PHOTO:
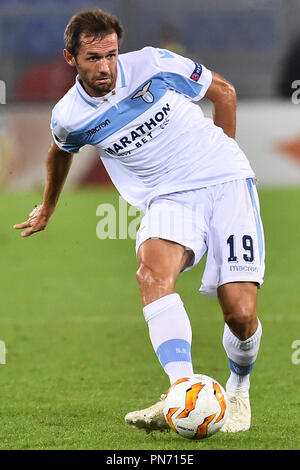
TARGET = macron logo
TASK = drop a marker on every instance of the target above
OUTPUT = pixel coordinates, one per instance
(97, 128)
(164, 54)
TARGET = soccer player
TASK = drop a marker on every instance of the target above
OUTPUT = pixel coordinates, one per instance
(189, 176)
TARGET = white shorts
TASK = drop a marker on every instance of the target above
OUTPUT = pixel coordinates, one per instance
(222, 221)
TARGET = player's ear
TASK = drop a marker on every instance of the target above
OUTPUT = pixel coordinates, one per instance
(70, 59)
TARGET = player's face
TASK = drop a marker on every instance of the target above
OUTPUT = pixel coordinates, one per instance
(96, 64)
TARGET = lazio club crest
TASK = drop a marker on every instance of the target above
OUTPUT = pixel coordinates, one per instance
(145, 93)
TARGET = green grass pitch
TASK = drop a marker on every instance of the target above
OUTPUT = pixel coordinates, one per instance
(78, 353)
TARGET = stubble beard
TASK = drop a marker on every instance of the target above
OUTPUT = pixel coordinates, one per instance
(99, 90)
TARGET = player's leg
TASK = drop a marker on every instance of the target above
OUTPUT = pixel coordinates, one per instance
(238, 302)
(171, 224)
(234, 269)
(241, 340)
(171, 239)
(160, 262)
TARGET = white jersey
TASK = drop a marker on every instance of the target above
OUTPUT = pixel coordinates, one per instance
(152, 137)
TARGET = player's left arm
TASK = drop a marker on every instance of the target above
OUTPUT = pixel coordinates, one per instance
(195, 81)
(223, 97)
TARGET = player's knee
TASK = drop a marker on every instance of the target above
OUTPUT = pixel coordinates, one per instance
(239, 315)
(241, 319)
(150, 278)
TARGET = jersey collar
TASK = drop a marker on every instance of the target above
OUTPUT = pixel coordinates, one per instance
(95, 102)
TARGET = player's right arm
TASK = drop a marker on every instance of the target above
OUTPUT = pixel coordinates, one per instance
(58, 165)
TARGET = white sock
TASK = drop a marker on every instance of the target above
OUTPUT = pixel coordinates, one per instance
(171, 335)
(241, 356)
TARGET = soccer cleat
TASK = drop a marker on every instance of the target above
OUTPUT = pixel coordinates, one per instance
(149, 419)
(239, 412)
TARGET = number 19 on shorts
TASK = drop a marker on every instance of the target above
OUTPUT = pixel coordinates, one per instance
(248, 249)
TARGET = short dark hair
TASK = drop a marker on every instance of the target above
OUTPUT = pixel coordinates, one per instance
(91, 23)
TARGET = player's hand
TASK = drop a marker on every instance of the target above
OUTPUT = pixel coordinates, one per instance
(37, 221)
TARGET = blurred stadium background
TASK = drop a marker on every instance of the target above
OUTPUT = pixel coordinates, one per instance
(253, 43)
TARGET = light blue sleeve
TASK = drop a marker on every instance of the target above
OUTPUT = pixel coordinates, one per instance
(183, 74)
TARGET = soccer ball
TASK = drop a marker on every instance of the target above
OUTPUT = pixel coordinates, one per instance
(196, 407)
